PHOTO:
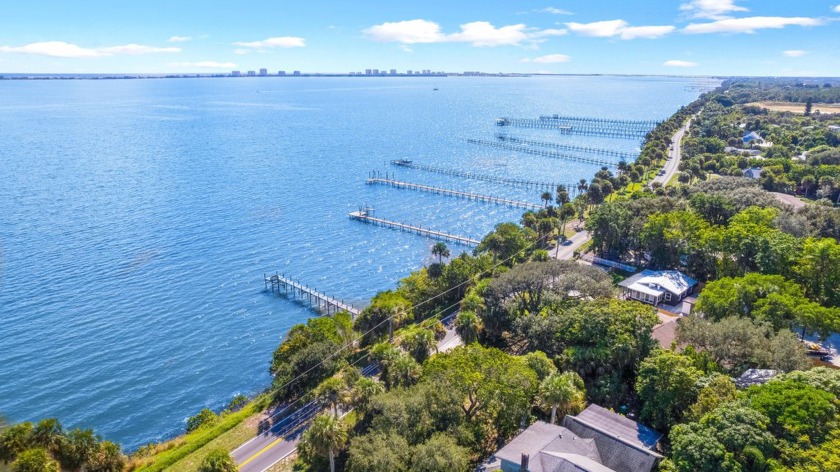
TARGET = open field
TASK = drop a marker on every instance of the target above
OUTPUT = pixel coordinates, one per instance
(798, 107)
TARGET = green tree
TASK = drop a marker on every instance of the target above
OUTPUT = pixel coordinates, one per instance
(565, 392)
(47, 434)
(34, 460)
(203, 418)
(14, 440)
(468, 326)
(507, 243)
(808, 106)
(491, 385)
(378, 452)
(541, 364)
(418, 342)
(667, 386)
(546, 198)
(403, 372)
(373, 321)
(694, 448)
(441, 453)
(218, 460)
(109, 458)
(796, 410)
(364, 390)
(441, 250)
(77, 448)
(719, 391)
(819, 270)
(327, 435)
(331, 393)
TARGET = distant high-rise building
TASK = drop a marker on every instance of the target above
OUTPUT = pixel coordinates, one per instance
(297, 72)
(263, 72)
(236, 73)
(375, 71)
(393, 71)
(281, 72)
(409, 72)
(252, 73)
(368, 71)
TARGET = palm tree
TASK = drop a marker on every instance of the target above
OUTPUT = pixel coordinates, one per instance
(403, 372)
(419, 342)
(441, 250)
(468, 325)
(326, 436)
(546, 197)
(582, 186)
(330, 393)
(365, 389)
(565, 392)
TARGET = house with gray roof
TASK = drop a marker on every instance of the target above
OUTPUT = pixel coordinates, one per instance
(658, 286)
(752, 137)
(596, 440)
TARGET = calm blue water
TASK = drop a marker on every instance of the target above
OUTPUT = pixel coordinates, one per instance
(137, 218)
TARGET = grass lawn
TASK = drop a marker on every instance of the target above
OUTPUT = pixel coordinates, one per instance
(229, 440)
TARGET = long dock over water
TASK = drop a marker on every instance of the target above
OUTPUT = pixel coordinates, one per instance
(583, 129)
(644, 125)
(364, 215)
(540, 152)
(566, 147)
(323, 302)
(373, 179)
(471, 175)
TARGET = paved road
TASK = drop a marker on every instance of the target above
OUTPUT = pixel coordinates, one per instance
(789, 199)
(288, 423)
(567, 250)
(672, 165)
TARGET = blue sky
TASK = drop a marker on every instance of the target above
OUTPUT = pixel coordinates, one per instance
(685, 37)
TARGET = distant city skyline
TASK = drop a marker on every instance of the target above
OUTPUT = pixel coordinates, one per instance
(663, 37)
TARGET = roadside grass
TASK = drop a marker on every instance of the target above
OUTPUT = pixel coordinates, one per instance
(184, 453)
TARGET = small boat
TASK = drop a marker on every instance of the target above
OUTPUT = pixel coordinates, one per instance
(435, 88)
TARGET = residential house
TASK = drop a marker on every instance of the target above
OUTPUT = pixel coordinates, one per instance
(596, 440)
(752, 137)
(755, 377)
(753, 173)
(658, 286)
(834, 128)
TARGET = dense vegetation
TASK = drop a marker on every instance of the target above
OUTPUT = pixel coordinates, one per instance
(543, 337)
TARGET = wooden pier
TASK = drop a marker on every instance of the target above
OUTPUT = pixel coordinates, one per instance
(319, 300)
(364, 215)
(375, 179)
(642, 125)
(567, 147)
(582, 129)
(540, 152)
(471, 175)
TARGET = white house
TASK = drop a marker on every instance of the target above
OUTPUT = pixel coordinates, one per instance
(752, 137)
(753, 173)
(834, 128)
(658, 286)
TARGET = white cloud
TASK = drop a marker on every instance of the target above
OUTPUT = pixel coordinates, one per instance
(549, 59)
(836, 9)
(275, 42)
(206, 65)
(482, 33)
(555, 11)
(646, 32)
(794, 53)
(64, 49)
(711, 9)
(750, 24)
(477, 33)
(610, 28)
(408, 32)
(180, 39)
(241, 51)
(676, 63)
(598, 29)
(406, 48)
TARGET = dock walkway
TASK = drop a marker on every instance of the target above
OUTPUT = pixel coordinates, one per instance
(471, 175)
(583, 129)
(453, 193)
(540, 152)
(364, 215)
(320, 300)
(567, 147)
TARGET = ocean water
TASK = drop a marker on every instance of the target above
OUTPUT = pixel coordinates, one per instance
(137, 218)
